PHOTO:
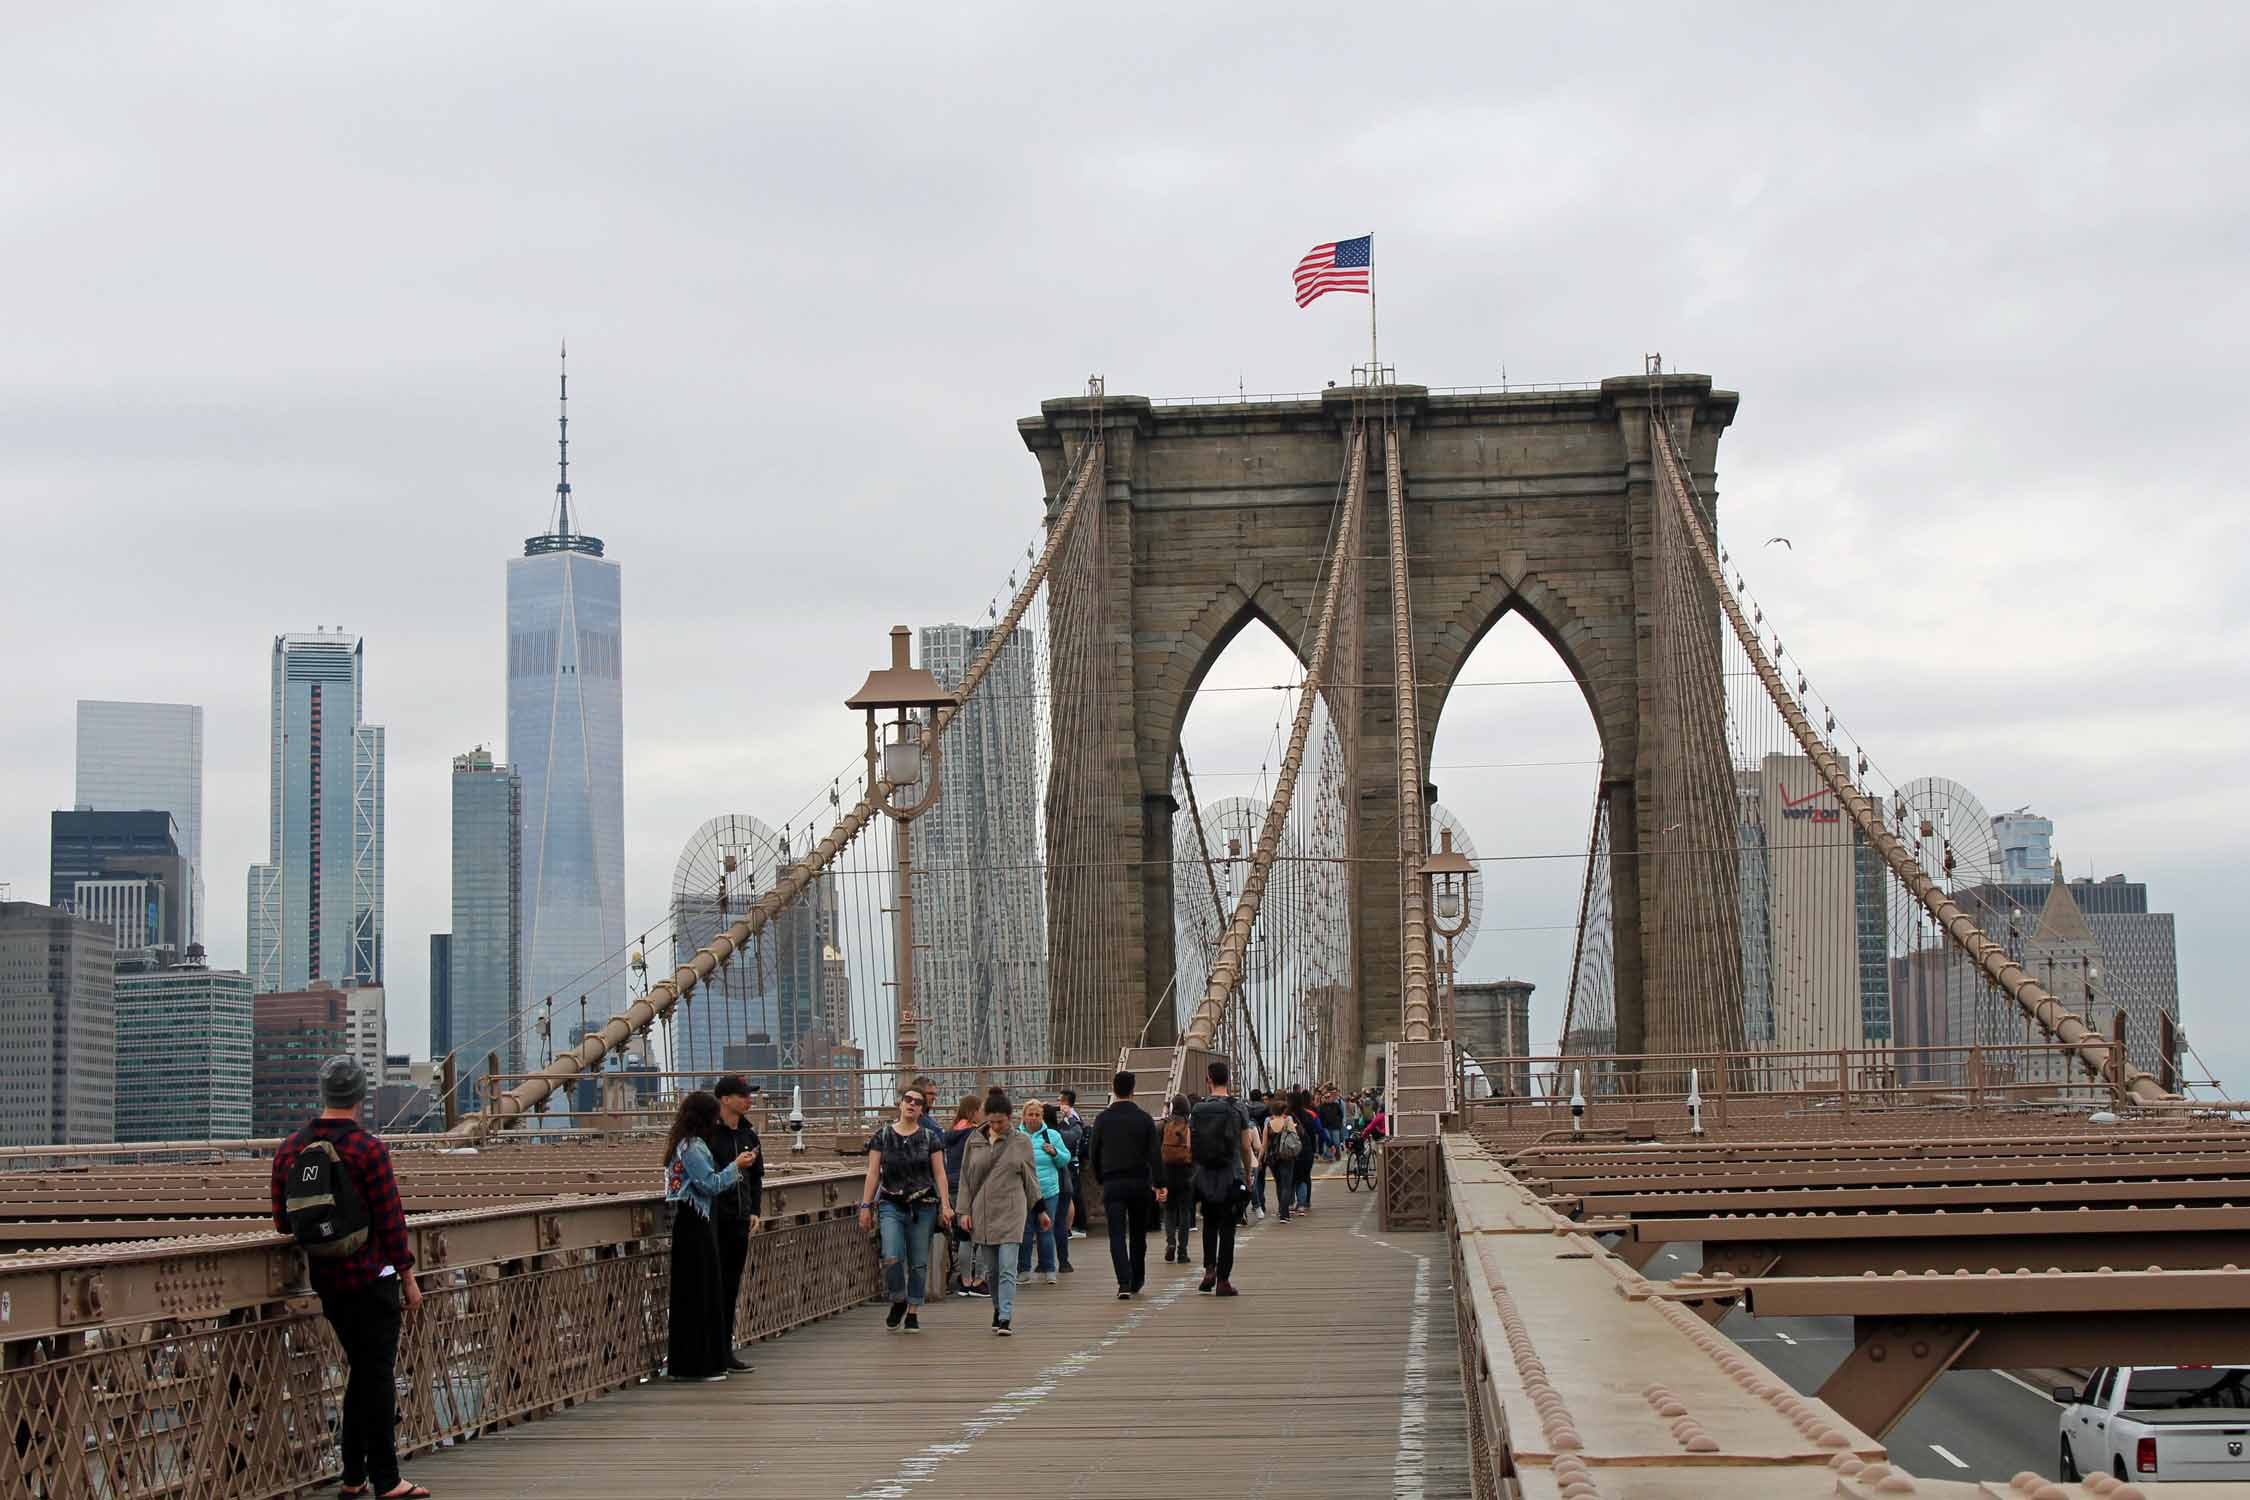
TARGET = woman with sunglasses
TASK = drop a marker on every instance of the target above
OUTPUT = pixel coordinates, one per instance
(906, 1194)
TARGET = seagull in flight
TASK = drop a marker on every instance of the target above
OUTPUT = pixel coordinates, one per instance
(1792, 546)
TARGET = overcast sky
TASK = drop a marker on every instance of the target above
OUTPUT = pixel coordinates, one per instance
(283, 288)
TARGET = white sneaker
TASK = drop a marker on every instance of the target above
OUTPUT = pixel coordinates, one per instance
(1052, 1278)
(1078, 1234)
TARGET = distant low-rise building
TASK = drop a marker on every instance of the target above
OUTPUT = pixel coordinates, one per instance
(293, 1033)
(185, 1044)
(58, 1028)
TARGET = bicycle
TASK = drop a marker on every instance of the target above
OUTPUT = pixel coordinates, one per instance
(1359, 1166)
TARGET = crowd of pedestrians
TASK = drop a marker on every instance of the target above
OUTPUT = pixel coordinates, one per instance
(999, 1189)
(1000, 1193)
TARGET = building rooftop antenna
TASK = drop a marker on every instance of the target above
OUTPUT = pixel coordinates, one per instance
(562, 441)
(564, 537)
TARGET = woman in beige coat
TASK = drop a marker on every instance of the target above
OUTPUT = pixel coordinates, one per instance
(999, 1191)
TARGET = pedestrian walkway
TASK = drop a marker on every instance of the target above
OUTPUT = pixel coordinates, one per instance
(1335, 1373)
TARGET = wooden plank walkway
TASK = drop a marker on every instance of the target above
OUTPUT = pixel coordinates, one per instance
(1336, 1373)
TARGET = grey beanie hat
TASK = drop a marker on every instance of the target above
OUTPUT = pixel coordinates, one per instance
(343, 1082)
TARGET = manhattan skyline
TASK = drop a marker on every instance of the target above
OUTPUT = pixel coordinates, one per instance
(1960, 302)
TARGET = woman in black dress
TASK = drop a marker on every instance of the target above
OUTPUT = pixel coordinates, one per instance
(698, 1340)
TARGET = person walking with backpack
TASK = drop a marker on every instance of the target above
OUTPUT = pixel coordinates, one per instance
(697, 1342)
(1284, 1147)
(1124, 1151)
(1177, 1156)
(1225, 1150)
(999, 1197)
(1050, 1158)
(334, 1191)
(1314, 1135)
(734, 1213)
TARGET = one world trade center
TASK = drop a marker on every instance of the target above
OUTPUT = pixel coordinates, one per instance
(566, 738)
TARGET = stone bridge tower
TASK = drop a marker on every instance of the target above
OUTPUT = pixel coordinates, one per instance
(1532, 502)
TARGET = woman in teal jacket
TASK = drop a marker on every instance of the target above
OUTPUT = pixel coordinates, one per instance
(1050, 1158)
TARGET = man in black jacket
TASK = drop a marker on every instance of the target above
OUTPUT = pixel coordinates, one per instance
(1126, 1150)
(734, 1214)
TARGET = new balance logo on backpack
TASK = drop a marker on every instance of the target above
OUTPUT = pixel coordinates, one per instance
(322, 1202)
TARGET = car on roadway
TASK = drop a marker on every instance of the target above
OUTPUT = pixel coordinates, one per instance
(2175, 1423)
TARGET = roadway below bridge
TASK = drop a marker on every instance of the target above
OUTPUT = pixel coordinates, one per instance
(1336, 1373)
(1970, 1425)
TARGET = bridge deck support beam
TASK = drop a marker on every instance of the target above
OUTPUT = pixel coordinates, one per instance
(1895, 1360)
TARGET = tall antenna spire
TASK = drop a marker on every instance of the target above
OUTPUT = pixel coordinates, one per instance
(564, 537)
(562, 482)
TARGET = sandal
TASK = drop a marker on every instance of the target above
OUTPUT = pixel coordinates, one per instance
(411, 1492)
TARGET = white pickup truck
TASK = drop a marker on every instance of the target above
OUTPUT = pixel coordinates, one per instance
(2176, 1423)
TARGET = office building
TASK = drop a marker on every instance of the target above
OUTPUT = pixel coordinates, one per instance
(292, 1034)
(316, 905)
(185, 1041)
(2023, 847)
(1815, 918)
(141, 757)
(441, 995)
(2094, 944)
(124, 870)
(566, 740)
(367, 1029)
(980, 977)
(484, 1002)
(1492, 1018)
(58, 1028)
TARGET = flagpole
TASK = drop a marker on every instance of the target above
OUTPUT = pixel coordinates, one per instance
(1374, 362)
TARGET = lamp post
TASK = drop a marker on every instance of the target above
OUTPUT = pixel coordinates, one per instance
(895, 763)
(1449, 871)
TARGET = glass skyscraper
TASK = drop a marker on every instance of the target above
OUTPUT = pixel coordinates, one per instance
(137, 757)
(566, 740)
(316, 905)
(484, 953)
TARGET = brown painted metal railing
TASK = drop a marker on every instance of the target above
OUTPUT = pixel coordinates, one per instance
(716, 954)
(2098, 1056)
(169, 1368)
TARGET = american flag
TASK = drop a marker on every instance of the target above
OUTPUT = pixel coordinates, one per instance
(1342, 266)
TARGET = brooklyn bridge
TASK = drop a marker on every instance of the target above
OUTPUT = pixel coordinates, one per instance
(1730, 1232)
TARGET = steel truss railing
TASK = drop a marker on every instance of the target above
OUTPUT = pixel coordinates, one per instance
(176, 1367)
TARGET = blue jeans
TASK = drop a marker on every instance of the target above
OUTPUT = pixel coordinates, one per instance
(905, 1238)
(1304, 1182)
(1044, 1238)
(998, 1262)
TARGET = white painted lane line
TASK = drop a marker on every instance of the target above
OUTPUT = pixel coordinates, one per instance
(1949, 1458)
(917, 1469)
(1785, 1338)
(2025, 1385)
(1413, 1402)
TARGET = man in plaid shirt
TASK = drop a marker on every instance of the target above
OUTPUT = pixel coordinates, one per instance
(364, 1294)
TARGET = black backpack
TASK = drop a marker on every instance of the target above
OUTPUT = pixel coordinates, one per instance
(321, 1200)
(1214, 1130)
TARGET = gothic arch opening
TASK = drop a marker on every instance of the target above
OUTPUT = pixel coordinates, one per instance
(1288, 1019)
(1516, 758)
